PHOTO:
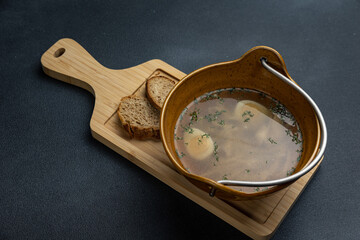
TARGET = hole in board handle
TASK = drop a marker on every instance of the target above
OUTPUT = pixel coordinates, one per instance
(59, 52)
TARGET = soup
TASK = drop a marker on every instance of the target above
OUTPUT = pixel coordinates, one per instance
(238, 134)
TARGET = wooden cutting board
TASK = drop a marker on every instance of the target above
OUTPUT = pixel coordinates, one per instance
(67, 61)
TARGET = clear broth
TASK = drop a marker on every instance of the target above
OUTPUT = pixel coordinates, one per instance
(238, 134)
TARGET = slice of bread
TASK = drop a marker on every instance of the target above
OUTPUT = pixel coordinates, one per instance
(157, 89)
(139, 118)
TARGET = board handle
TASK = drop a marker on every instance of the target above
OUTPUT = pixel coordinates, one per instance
(69, 62)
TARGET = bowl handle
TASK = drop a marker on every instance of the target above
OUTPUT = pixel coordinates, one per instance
(323, 141)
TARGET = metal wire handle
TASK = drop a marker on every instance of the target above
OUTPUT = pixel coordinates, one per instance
(322, 147)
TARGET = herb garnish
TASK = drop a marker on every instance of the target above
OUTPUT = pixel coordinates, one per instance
(294, 136)
(188, 129)
(291, 171)
(214, 96)
(272, 141)
(222, 123)
(216, 152)
(248, 115)
(281, 111)
(213, 117)
(178, 138)
(194, 115)
(205, 135)
(181, 155)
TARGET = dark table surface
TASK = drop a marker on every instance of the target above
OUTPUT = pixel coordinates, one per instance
(57, 182)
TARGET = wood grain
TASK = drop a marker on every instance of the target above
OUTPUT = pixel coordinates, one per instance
(67, 61)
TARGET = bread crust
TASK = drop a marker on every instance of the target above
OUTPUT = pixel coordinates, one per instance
(150, 96)
(134, 131)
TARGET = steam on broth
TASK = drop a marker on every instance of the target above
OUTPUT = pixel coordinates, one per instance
(238, 134)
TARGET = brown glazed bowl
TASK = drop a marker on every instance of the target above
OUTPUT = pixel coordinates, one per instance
(245, 72)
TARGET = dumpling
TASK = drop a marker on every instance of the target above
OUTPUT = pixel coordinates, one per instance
(198, 144)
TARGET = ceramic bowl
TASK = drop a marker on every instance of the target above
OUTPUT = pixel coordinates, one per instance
(245, 72)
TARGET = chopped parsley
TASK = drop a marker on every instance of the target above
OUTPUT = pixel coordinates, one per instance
(247, 115)
(188, 129)
(216, 152)
(181, 155)
(272, 141)
(294, 136)
(214, 96)
(178, 138)
(194, 116)
(213, 117)
(205, 135)
(291, 171)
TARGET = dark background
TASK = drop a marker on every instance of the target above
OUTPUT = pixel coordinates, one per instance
(57, 182)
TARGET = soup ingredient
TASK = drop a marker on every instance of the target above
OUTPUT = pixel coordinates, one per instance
(238, 134)
(198, 144)
(139, 118)
(157, 89)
